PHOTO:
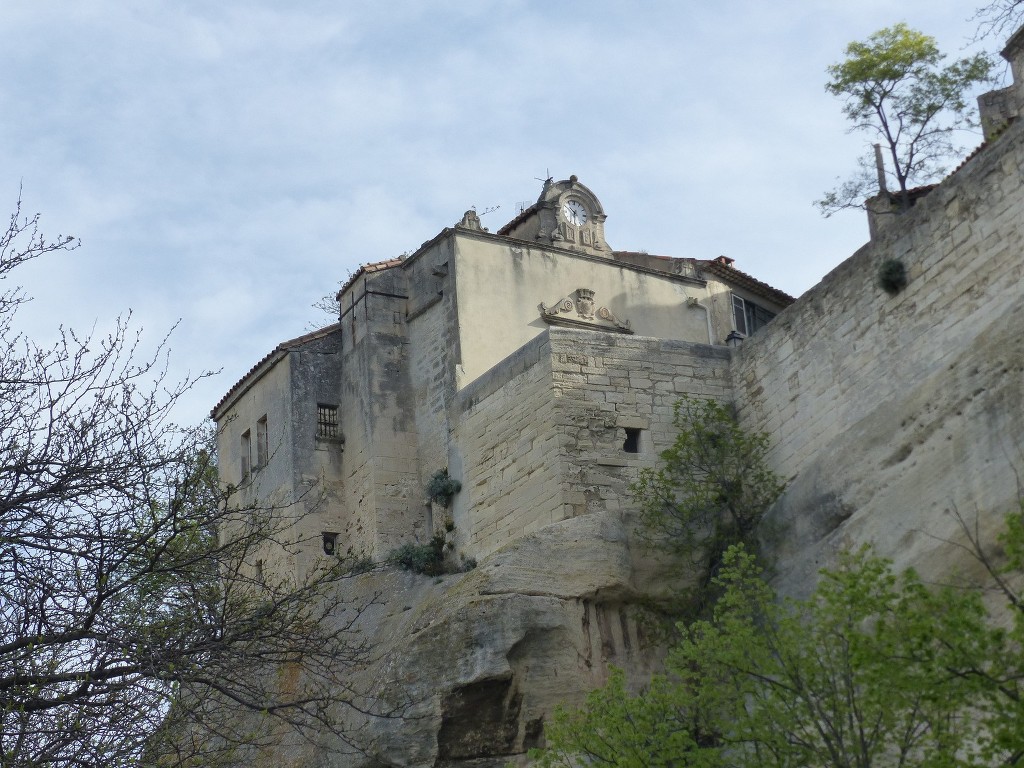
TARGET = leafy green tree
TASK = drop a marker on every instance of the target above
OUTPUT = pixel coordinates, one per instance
(874, 669)
(895, 89)
(615, 728)
(990, 656)
(711, 488)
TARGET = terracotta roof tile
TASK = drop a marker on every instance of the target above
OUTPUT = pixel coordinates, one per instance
(974, 152)
(746, 281)
(520, 217)
(274, 355)
(377, 266)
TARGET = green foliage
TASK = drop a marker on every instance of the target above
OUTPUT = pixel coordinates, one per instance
(361, 564)
(895, 88)
(892, 276)
(427, 559)
(441, 487)
(615, 728)
(436, 557)
(712, 487)
(1012, 540)
(874, 669)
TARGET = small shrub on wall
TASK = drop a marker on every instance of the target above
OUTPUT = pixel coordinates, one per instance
(426, 559)
(892, 276)
(441, 487)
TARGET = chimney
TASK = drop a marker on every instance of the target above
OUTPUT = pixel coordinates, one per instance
(998, 108)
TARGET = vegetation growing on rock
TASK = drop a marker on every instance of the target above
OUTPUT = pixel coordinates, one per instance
(712, 487)
(875, 669)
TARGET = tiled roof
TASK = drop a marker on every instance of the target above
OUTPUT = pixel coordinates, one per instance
(377, 266)
(974, 152)
(521, 217)
(278, 352)
(743, 280)
(721, 267)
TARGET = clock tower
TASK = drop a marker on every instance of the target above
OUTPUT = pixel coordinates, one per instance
(568, 215)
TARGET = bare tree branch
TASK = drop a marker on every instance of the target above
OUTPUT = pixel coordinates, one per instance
(133, 621)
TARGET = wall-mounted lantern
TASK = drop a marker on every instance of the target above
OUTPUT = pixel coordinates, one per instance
(734, 339)
(330, 542)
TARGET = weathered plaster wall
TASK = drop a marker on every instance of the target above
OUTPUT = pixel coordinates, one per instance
(502, 285)
(315, 373)
(888, 412)
(382, 498)
(433, 357)
(273, 484)
(270, 398)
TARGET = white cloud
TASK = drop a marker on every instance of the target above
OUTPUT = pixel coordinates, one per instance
(228, 163)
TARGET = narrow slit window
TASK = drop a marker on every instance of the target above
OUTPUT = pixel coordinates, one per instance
(327, 420)
(632, 443)
(262, 454)
(246, 455)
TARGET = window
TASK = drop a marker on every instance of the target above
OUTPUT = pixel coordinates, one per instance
(246, 454)
(327, 420)
(262, 454)
(632, 443)
(330, 542)
(748, 316)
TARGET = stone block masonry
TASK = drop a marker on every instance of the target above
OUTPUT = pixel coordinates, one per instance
(607, 386)
(511, 456)
(886, 412)
(561, 428)
(963, 246)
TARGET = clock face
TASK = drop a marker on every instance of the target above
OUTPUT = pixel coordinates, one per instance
(575, 213)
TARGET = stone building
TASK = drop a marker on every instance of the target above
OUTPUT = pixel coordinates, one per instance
(459, 358)
(539, 367)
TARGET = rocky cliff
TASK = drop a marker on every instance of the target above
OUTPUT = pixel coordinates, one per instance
(892, 417)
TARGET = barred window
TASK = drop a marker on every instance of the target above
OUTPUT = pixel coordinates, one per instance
(327, 420)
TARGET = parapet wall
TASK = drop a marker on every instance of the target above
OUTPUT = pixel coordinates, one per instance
(606, 384)
(512, 479)
(887, 412)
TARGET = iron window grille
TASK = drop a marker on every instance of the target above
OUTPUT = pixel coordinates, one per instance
(327, 421)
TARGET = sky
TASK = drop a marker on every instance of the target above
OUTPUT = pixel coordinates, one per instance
(227, 164)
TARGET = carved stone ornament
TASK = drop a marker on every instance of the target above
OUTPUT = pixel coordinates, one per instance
(470, 220)
(579, 309)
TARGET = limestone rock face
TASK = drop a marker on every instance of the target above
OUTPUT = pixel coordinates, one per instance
(947, 447)
(894, 419)
(473, 664)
